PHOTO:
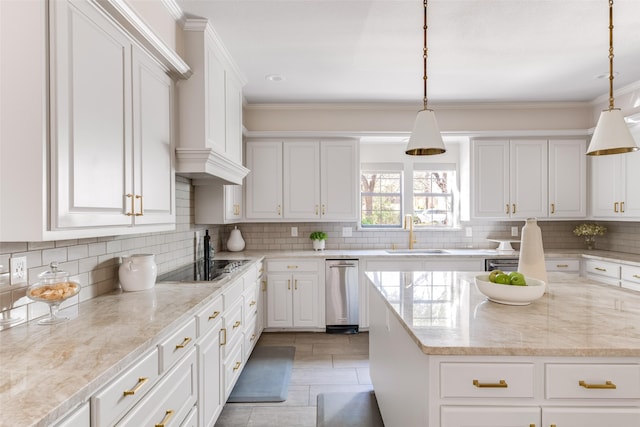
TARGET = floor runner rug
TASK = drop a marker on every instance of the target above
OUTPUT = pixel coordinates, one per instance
(266, 376)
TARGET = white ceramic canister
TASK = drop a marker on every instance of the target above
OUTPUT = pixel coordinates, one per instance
(138, 272)
(235, 242)
(531, 261)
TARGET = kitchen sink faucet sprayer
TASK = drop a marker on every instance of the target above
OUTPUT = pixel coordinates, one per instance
(409, 219)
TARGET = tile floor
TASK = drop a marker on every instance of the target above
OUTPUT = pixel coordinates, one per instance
(323, 363)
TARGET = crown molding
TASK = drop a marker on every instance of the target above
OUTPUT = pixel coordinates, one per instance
(402, 106)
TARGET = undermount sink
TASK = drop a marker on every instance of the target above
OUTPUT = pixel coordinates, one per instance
(417, 251)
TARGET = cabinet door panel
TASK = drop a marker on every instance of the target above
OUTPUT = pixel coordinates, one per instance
(567, 179)
(91, 139)
(152, 100)
(264, 183)
(339, 177)
(215, 94)
(301, 180)
(491, 179)
(605, 182)
(591, 417)
(631, 207)
(279, 300)
(305, 300)
(497, 416)
(528, 167)
(210, 390)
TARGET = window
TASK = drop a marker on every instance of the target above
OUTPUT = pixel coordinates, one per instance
(381, 197)
(433, 195)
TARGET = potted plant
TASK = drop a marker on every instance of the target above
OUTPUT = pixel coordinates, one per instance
(318, 238)
(589, 232)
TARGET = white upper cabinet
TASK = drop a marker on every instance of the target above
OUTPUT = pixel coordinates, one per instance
(105, 165)
(510, 179)
(614, 186)
(218, 204)
(210, 143)
(311, 180)
(567, 179)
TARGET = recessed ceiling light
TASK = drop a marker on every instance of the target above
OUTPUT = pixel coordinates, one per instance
(274, 77)
(606, 75)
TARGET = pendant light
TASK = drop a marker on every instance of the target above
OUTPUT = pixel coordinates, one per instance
(425, 138)
(611, 135)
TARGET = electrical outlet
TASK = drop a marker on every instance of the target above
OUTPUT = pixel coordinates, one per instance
(514, 231)
(346, 231)
(294, 231)
(468, 232)
(18, 269)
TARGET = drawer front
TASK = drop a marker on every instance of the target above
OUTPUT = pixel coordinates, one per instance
(591, 416)
(209, 317)
(177, 345)
(232, 328)
(592, 381)
(232, 367)
(250, 277)
(250, 298)
(171, 400)
(630, 274)
(602, 268)
(486, 380)
(78, 418)
(192, 419)
(569, 265)
(113, 401)
(292, 266)
(250, 337)
(232, 294)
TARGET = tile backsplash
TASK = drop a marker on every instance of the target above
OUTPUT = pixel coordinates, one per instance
(94, 262)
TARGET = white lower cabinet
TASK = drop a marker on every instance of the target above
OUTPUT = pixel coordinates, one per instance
(489, 416)
(294, 294)
(210, 401)
(590, 417)
(79, 417)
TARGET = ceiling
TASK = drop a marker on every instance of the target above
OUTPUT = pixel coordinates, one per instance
(479, 50)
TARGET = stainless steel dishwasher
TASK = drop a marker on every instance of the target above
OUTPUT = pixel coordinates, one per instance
(341, 296)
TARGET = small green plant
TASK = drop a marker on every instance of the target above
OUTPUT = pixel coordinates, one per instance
(318, 235)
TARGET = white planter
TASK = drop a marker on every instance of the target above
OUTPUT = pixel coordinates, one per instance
(318, 245)
(138, 272)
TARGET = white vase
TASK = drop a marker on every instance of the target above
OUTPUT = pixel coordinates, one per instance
(531, 260)
(235, 242)
(138, 272)
(318, 245)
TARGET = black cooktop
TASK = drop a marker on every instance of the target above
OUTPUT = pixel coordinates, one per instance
(196, 272)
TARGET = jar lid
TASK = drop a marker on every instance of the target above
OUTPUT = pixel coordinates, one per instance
(53, 275)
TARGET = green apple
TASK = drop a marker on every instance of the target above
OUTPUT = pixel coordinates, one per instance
(503, 279)
(493, 274)
(517, 279)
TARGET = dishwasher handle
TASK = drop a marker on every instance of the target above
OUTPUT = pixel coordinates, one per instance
(343, 266)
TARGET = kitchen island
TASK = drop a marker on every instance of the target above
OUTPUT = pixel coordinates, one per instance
(441, 354)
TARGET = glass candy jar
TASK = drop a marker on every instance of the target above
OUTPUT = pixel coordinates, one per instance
(53, 288)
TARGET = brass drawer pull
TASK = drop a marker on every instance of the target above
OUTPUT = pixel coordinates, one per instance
(292, 266)
(636, 276)
(253, 337)
(214, 315)
(129, 195)
(600, 269)
(553, 208)
(252, 303)
(225, 337)
(562, 265)
(186, 341)
(141, 209)
(506, 208)
(615, 207)
(235, 325)
(295, 284)
(167, 417)
(621, 207)
(514, 208)
(237, 366)
(606, 385)
(141, 382)
(501, 384)
(264, 285)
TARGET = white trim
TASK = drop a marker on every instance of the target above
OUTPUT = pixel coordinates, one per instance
(410, 106)
(174, 9)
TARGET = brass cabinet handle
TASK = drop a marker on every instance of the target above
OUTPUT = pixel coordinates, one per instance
(323, 209)
(237, 366)
(501, 384)
(621, 207)
(562, 265)
(553, 208)
(253, 337)
(316, 209)
(141, 209)
(141, 382)
(167, 417)
(289, 284)
(236, 209)
(235, 325)
(214, 315)
(615, 207)
(607, 385)
(292, 267)
(295, 284)
(252, 303)
(514, 208)
(129, 195)
(225, 337)
(264, 285)
(279, 210)
(506, 208)
(186, 341)
(636, 276)
(599, 268)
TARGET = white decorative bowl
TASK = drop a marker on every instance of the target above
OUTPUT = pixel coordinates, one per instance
(511, 294)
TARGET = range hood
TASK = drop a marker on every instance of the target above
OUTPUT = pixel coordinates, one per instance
(206, 164)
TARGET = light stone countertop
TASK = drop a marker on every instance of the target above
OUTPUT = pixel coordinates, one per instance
(45, 371)
(445, 314)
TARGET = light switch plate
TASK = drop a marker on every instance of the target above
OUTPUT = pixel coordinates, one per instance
(294, 231)
(468, 232)
(514, 231)
(18, 269)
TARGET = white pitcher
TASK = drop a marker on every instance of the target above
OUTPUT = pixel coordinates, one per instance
(138, 272)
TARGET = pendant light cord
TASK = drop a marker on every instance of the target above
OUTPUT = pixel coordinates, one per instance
(611, 107)
(424, 55)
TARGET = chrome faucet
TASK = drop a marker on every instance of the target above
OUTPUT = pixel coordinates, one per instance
(409, 219)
